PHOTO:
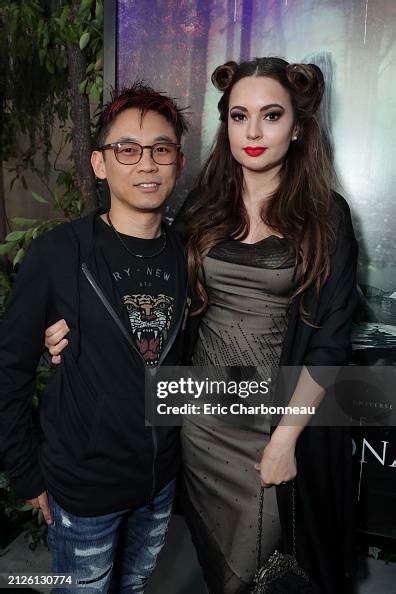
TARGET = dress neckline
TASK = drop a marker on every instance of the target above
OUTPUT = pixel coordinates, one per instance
(260, 240)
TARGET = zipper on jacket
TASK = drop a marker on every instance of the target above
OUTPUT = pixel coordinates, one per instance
(162, 357)
(109, 307)
(176, 329)
(155, 454)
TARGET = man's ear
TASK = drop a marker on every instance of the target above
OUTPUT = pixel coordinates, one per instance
(180, 163)
(98, 164)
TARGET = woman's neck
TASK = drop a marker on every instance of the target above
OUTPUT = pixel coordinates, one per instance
(258, 187)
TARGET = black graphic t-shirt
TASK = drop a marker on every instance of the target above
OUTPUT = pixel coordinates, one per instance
(147, 287)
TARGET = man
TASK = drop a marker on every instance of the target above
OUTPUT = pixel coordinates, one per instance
(104, 481)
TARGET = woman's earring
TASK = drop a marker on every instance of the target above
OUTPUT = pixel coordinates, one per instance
(294, 137)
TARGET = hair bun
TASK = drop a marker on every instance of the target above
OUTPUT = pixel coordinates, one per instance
(308, 82)
(223, 75)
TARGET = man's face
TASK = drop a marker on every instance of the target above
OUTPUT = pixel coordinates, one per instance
(145, 186)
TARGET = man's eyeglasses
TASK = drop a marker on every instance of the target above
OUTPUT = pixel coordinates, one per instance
(130, 153)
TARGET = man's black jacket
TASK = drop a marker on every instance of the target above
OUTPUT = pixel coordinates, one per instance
(95, 454)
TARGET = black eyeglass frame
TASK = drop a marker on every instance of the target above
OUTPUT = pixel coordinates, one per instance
(114, 145)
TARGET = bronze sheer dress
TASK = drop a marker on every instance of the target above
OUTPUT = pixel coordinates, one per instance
(249, 287)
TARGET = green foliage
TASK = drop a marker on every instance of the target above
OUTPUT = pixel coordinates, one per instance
(35, 95)
(39, 198)
(31, 101)
(34, 100)
(69, 205)
(5, 290)
(18, 241)
(34, 89)
(85, 29)
(9, 502)
(18, 510)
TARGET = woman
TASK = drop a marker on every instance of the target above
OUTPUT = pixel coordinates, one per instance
(272, 257)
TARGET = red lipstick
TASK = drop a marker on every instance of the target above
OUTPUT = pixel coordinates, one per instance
(255, 151)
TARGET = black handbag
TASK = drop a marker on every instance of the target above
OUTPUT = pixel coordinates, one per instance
(280, 573)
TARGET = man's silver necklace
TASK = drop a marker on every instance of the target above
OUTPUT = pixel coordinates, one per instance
(157, 253)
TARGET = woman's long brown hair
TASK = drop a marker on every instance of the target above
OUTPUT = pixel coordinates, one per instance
(298, 209)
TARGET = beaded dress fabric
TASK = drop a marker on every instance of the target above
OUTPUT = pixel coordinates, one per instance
(249, 288)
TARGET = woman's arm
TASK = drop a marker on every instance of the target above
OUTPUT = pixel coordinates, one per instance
(278, 462)
(329, 345)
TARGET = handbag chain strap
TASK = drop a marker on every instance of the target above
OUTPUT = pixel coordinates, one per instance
(260, 523)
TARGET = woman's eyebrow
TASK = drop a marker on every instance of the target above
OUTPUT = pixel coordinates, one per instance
(264, 108)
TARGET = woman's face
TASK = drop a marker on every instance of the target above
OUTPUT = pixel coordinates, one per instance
(260, 123)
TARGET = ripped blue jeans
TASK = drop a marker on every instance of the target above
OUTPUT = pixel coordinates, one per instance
(115, 552)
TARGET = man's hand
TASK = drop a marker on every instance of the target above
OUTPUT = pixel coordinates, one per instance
(55, 340)
(41, 502)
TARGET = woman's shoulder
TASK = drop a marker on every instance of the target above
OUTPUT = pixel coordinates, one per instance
(345, 246)
(340, 215)
(339, 204)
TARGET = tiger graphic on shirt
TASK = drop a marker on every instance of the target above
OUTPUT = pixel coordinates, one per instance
(150, 317)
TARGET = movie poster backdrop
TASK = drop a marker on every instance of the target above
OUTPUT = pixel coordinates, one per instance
(176, 46)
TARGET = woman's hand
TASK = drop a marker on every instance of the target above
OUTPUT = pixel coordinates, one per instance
(278, 463)
(55, 340)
